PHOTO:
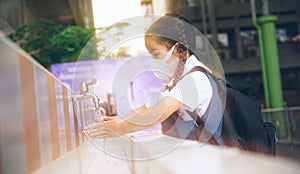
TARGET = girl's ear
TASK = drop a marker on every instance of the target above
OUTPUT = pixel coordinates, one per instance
(177, 44)
(181, 49)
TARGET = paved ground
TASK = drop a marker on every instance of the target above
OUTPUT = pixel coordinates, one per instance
(288, 151)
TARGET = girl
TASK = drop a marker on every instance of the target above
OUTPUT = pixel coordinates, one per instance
(190, 98)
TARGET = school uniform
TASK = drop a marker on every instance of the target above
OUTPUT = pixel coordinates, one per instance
(198, 95)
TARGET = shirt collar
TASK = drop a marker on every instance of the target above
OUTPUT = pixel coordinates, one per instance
(192, 62)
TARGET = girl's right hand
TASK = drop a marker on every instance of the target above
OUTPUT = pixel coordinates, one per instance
(101, 128)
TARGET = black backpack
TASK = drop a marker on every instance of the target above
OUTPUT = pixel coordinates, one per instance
(242, 123)
(243, 115)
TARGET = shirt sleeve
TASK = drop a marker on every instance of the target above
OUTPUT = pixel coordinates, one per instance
(194, 91)
(153, 99)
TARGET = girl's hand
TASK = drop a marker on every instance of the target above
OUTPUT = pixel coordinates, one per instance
(101, 128)
(105, 118)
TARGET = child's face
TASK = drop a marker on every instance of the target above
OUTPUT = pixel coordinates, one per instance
(163, 63)
(157, 51)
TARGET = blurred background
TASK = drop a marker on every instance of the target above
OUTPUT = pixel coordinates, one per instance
(227, 23)
(268, 70)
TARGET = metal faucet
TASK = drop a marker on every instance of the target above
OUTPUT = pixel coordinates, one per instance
(85, 94)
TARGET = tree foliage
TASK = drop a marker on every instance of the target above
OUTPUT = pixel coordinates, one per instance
(108, 35)
(49, 42)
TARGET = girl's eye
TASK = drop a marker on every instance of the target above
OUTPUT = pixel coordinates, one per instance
(155, 55)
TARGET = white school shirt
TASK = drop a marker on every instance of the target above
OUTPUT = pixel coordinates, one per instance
(194, 90)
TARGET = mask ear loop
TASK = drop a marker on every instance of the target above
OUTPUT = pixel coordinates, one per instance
(170, 53)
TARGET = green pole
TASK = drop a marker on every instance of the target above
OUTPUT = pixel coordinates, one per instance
(271, 60)
(268, 32)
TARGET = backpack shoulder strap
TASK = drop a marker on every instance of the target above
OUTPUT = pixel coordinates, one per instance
(204, 133)
(197, 68)
(194, 114)
(232, 140)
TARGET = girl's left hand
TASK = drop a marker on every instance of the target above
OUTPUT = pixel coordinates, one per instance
(100, 129)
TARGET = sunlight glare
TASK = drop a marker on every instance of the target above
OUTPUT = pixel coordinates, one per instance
(108, 12)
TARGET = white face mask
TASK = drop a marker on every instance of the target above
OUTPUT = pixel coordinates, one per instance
(162, 69)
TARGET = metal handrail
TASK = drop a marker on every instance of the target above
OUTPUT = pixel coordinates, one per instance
(281, 109)
(292, 117)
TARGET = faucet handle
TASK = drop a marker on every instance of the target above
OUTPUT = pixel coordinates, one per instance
(84, 86)
(92, 82)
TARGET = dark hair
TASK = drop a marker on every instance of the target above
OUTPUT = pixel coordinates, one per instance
(172, 28)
